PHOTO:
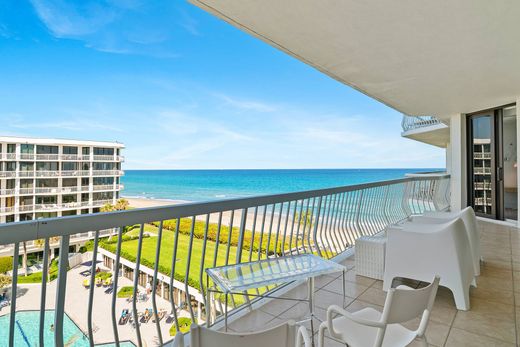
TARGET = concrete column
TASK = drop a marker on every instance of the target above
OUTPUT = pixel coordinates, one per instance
(457, 166)
(517, 153)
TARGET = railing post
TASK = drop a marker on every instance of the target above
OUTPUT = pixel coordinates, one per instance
(61, 290)
(315, 232)
(240, 244)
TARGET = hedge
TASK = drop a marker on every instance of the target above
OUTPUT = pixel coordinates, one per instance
(200, 228)
(184, 326)
(125, 292)
(6, 264)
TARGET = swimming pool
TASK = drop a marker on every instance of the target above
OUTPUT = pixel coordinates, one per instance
(27, 330)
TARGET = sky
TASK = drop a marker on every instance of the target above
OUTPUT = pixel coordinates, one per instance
(184, 90)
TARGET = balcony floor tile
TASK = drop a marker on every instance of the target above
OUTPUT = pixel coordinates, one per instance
(492, 321)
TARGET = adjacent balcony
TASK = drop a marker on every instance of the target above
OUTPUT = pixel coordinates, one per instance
(63, 157)
(172, 246)
(426, 129)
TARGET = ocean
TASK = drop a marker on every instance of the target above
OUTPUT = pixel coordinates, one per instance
(206, 185)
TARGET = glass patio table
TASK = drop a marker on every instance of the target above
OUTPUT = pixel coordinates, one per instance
(238, 278)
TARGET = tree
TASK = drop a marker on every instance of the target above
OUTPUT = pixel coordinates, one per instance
(122, 204)
(107, 208)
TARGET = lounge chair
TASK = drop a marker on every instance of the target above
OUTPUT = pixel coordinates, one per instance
(284, 335)
(125, 315)
(86, 283)
(370, 328)
(160, 315)
(99, 282)
(107, 282)
(470, 222)
(146, 316)
(425, 250)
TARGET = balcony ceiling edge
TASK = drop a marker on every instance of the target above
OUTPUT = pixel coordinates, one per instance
(418, 57)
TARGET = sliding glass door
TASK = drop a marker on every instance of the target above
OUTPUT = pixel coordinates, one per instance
(492, 166)
(482, 166)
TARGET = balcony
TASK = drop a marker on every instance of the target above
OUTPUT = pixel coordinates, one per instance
(427, 129)
(325, 222)
(4, 192)
(482, 170)
(107, 173)
(7, 174)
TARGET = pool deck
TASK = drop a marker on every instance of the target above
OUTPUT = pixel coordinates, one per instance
(76, 308)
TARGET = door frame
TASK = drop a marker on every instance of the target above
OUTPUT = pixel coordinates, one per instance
(497, 158)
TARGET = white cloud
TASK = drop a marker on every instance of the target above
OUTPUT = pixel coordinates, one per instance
(246, 105)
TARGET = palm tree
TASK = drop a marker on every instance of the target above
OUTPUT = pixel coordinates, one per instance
(122, 204)
(107, 208)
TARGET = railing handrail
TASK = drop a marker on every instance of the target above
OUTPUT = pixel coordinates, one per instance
(61, 226)
(416, 122)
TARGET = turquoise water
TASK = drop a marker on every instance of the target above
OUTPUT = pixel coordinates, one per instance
(204, 185)
(27, 331)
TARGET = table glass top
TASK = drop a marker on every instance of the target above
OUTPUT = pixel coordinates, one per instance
(244, 276)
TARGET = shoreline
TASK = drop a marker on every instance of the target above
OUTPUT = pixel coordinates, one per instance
(142, 202)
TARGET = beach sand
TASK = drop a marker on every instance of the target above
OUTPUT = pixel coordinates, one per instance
(143, 202)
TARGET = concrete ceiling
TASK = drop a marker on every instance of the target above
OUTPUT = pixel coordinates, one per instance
(420, 57)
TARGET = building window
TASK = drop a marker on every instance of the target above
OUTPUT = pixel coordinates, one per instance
(10, 166)
(103, 166)
(69, 182)
(11, 148)
(103, 181)
(103, 151)
(47, 166)
(9, 219)
(69, 213)
(67, 166)
(51, 199)
(26, 216)
(10, 184)
(70, 150)
(85, 182)
(26, 149)
(84, 197)
(26, 200)
(69, 198)
(46, 182)
(40, 215)
(26, 166)
(85, 166)
(85, 150)
(84, 211)
(26, 183)
(47, 149)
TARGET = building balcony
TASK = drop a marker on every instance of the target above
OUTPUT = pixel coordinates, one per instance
(7, 174)
(482, 170)
(107, 173)
(325, 222)
(57, 157)
(481, 155)
(4, 192)
(427, 129)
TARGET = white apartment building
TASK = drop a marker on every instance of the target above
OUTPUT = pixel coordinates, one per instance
(42, 178)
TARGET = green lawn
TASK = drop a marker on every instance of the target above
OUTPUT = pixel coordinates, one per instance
(165, 260)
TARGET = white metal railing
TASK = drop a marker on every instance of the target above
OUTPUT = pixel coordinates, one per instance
(47, 156)
(482, 170)
(325, 222)
(7, 191)
(107, 173)
(7, 209)
(416, 122)
(44, 173)
(7, 173)
(482, 155)
(104, 187)
(104, 157)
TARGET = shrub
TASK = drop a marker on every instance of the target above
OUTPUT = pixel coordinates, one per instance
(104, 275)
(6, 264)
(226, 235)
(125, 292)
(83, 249)
(184, 326)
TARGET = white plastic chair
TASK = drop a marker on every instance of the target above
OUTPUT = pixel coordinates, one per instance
(429, 250)
(371, 328)
(283, 335)
(470, 221)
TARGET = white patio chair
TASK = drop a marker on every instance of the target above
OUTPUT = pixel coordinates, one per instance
(432, 249)
(470, 221)
(371, 328)
(283, 335)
